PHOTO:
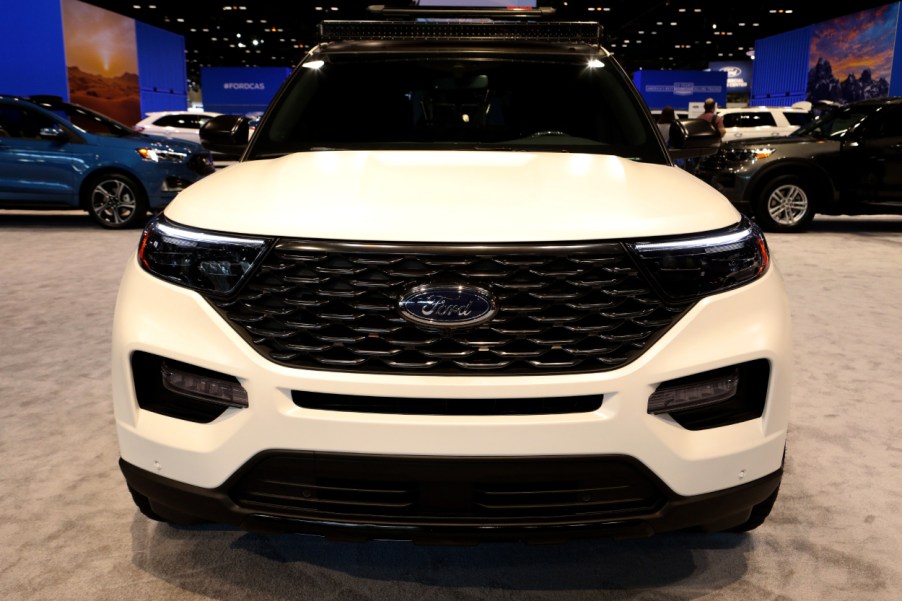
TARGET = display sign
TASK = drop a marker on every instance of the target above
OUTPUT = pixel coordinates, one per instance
(739, 75)
(240, 90)
(679, 88)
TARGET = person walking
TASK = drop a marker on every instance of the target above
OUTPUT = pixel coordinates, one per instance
(710, 115)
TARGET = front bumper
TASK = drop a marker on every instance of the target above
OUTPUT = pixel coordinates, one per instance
(192, 467)
(445, 499)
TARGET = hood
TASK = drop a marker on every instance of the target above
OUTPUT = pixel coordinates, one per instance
(452, 196)
(138, 140)
(775, 141)
(178, 144)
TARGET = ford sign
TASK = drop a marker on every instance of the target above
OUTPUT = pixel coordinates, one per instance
(448, 306)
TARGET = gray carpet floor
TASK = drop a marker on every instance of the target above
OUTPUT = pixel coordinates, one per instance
(69, 530)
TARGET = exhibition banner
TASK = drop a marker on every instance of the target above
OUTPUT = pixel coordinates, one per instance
(102, 60)
(240, 90)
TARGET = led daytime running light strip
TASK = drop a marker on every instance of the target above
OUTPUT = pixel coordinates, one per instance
(713, 241)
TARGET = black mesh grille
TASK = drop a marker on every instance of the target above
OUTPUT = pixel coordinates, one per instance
(412, 490)
(561, 308)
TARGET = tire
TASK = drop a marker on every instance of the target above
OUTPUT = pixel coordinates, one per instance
(785, 204)
(116, 201)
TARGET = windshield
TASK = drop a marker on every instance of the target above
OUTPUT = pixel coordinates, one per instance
(471, 102)
(835, 123)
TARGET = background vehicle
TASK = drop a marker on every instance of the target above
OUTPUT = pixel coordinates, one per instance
(184, 125)
(57, 155)
(760, 121)
(847, 162)
(452, 292)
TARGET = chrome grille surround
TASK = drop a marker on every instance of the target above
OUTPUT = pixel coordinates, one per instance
(562, 308)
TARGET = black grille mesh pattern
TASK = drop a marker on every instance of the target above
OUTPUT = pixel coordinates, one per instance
(561, 308)
(418, 490)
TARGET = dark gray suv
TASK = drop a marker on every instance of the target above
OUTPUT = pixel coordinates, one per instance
(847, 162)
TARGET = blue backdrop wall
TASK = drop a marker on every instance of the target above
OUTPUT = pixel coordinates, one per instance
(35, 57)
(162, 74)
(32, 46)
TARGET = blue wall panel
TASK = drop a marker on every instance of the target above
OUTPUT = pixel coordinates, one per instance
(780, 77)
(34, 58)
(161, 69)
(895, 82)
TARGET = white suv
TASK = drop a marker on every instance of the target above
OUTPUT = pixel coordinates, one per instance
(175, 124)
(763, 121)
(455, 290)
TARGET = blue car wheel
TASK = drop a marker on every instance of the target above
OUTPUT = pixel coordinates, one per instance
(116, 201)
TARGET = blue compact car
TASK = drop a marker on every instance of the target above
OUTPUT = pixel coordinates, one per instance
(58, 155)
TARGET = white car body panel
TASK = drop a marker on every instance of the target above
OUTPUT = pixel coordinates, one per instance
(452, 196)
(690, 462)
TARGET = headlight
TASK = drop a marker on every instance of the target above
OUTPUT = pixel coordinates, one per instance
(749, 154)
(161, 154)
(695, 266)
(206, 261)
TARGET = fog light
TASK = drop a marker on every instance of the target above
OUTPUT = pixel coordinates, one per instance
(678, 396)
(174, 184)
(204, 388)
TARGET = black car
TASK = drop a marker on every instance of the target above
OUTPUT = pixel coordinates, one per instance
(847, 162)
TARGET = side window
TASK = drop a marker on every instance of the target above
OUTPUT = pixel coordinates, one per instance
(170, 121)
(10, 118)
(16, 122)
(891, 124)
(183, 121)
(750, 119)
(731, 119)
(797, 118)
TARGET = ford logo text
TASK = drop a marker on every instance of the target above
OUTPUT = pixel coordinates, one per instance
(448, 306)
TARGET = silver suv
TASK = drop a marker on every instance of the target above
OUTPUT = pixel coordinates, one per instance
(846, 162)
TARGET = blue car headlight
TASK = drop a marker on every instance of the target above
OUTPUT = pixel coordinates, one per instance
(159, 154)
(210, 262)
(698, 265)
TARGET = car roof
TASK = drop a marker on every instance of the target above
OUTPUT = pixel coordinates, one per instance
(761, 109)
(185, 112)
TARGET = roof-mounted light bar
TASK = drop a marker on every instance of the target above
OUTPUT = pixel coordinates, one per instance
(467, 31)
(458, 12)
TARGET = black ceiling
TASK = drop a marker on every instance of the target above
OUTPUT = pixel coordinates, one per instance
(675, 34)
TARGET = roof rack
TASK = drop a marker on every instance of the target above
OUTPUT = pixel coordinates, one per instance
(565, 32)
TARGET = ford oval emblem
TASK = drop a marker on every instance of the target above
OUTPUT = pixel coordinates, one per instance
(448, 306)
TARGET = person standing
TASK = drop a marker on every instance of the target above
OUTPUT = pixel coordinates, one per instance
(664, 121)
(710, 115)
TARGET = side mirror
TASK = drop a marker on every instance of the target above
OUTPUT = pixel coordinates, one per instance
(693, 138)
(225, 134)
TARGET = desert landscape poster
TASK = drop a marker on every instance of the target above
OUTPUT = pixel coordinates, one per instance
(102, 61)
